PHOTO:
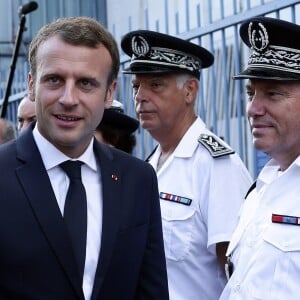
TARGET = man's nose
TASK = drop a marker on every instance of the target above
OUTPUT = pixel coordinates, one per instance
(256, 106)
(69, 96)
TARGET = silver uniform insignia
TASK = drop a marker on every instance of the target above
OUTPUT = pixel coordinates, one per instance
(215, 147)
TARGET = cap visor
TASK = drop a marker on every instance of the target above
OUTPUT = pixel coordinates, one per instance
(148, 69)
(267, 74)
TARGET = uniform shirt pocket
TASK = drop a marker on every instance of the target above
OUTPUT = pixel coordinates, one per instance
(285, 237)
(279, 258)
(178, 229)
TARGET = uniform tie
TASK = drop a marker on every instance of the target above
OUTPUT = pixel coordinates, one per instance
(75, 211)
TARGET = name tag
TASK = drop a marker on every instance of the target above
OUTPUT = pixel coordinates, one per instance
(175, 198)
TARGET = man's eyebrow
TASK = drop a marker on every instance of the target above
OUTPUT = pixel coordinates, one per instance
(94, 80)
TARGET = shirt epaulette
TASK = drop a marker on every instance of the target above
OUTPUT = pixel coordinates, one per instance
(215, 147)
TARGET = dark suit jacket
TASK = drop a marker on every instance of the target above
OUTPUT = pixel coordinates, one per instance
(36, 261)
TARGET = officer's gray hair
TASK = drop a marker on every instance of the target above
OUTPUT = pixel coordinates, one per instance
(182, 78)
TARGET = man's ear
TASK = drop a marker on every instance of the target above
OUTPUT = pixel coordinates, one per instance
(110, 94)
(30, 84)
(191, 88)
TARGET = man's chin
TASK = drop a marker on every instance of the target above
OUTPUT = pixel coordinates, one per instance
(146, 124)
(261, 144)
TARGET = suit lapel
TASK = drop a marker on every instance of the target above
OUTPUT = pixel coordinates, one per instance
(36, 184)
(111, 185)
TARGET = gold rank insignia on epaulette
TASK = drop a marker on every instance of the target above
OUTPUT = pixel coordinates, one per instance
(215, 147)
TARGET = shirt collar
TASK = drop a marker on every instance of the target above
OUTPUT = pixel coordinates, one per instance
(189, 141)
(187, 144)
(52, 157)
(270, 171)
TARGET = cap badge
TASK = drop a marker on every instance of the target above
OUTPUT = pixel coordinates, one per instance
(139, 45)
(258, 38)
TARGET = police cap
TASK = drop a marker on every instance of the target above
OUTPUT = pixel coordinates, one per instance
(275, 49)
(154, 52)
(115, 117)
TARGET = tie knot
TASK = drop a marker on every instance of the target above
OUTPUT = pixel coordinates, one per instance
(72, 168)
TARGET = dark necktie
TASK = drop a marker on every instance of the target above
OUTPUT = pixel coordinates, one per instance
(75, 211)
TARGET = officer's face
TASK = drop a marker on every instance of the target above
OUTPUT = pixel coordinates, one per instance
(274, 113)
(162, 101)
(26, 113)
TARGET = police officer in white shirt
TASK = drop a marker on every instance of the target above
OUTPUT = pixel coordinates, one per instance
(264, 253)
(202, 182)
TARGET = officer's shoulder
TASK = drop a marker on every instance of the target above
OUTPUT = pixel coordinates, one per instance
(215, 145)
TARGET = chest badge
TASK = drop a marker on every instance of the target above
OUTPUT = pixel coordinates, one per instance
(282, 219)
(175, 198)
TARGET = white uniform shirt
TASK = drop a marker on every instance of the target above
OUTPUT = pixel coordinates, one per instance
(216, 188)
(265, 254)
(91, 179)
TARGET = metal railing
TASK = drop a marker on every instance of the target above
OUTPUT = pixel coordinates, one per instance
(221, 100)
(214, 25)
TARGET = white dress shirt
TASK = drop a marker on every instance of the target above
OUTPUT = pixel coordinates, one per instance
(215, 188)
(91, 178)
(265, 253)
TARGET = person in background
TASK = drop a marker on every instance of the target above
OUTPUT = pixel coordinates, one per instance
(78, 219)
(264, 253)
(25, 113)
(7, 131)
(202, 182)
(117, 129)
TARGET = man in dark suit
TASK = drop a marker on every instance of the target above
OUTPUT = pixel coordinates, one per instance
(74, 64)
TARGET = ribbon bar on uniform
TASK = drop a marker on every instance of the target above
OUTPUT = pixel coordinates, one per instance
(175, 198)
(285, 219)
